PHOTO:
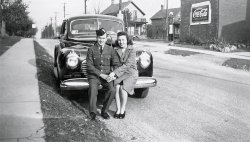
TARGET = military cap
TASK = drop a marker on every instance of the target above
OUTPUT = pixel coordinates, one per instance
(100, 32)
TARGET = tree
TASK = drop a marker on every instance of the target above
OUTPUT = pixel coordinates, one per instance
(97, 9)
(48, 32)
(3, 5)
(149, 31)
(15, 15)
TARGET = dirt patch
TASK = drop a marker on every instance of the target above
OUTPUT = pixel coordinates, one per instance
(181, 52)
(62, 119)
(7, 42)
(238, 64)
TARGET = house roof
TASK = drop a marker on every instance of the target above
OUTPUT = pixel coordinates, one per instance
(162, 13)
(113, 9)
(94, 16)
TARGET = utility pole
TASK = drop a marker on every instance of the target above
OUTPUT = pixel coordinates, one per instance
(85, 6)
(120, 10)
(50, 28)
(166, 21)
(64, 10)
(55, 24)
(120, 5)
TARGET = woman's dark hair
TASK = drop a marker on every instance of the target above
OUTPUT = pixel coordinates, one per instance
(129, 40)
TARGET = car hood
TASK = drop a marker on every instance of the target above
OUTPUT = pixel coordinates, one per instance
(80, 50)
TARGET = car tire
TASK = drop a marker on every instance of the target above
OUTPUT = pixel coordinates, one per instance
(55, 55)
(141, 93)
(64, 93)
(56, 74)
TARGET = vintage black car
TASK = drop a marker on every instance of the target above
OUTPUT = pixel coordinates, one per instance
(76, 36)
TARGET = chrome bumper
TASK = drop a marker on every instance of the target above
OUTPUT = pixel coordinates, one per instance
(83, 84)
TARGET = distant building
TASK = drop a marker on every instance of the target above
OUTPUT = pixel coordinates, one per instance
(210, 20)
(133, 16)
(159, 24)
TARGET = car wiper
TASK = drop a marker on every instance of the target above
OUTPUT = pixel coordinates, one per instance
(72, 42)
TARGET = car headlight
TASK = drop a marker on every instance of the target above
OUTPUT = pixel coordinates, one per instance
(144, 60)
(72, 60)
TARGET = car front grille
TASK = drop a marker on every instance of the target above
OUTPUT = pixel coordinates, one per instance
(84, 68)
(74, 75)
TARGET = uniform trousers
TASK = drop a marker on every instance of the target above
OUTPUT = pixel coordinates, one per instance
(93, 92)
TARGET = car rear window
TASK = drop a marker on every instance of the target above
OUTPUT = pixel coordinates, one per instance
(88, 26)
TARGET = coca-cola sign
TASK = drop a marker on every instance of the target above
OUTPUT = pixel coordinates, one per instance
(201, 13)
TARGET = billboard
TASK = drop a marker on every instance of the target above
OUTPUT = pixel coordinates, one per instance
(33, 26)
(200, 13)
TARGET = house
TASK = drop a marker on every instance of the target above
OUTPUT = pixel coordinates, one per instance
(159, 23)
(213, 20)
(133, 17)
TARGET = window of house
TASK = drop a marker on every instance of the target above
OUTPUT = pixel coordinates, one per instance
(135, 14)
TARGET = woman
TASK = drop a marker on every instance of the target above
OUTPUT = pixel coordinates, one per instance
(125, 73)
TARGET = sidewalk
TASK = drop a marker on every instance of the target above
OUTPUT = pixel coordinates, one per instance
(20, 110)
(165, 46)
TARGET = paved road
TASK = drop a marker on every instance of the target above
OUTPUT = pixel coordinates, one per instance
(201, 100)
(196, 99)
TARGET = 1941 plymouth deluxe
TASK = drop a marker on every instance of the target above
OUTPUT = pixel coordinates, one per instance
(77, 34)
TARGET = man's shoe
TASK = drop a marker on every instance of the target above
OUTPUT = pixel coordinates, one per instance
(92, 115)
(105, 115)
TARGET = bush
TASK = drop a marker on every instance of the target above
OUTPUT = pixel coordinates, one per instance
(221, 46)
(149, 31)
(191, 39)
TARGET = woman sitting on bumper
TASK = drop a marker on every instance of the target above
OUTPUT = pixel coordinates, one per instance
(125, 73)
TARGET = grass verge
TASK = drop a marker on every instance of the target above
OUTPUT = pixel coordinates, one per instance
(7, 42)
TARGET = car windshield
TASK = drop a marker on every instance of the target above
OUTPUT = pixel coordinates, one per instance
(88, 26)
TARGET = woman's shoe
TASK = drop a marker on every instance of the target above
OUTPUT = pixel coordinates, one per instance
(116, 115)
(121, 116)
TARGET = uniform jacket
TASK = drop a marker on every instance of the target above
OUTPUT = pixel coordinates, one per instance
(98, 63)
(126, 70)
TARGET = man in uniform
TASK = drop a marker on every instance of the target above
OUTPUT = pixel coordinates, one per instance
(99, 63)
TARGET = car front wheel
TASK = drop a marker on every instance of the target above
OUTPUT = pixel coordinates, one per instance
(141, 93)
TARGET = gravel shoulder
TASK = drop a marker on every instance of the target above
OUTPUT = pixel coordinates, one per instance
(235, 63)
(241, 64)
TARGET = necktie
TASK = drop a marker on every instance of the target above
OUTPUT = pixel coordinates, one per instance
(101, 50)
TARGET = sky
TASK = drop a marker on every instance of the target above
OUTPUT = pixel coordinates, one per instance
(41, 11)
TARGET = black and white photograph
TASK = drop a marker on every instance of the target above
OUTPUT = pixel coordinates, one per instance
(124, 71)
